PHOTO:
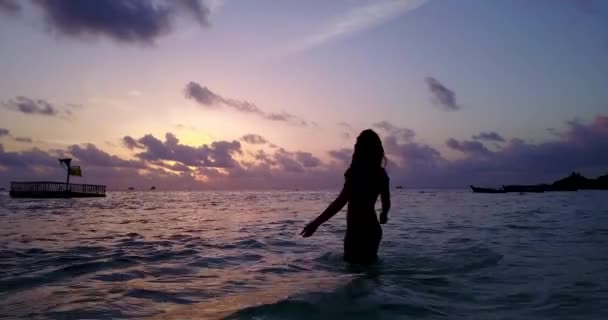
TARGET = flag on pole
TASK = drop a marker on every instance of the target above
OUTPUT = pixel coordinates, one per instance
(75, 171)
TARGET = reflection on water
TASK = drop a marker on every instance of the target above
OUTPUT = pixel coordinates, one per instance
(237, 255)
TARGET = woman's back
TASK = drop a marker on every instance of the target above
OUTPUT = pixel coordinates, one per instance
(364, 188)
(363, 231)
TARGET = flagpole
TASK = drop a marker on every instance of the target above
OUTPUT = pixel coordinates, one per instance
(67, 182)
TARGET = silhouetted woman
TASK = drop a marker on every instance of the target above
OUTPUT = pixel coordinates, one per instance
(365, 180)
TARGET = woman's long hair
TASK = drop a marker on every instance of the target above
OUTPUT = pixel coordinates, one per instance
(369, 153)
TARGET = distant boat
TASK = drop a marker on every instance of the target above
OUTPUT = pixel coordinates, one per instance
(487, 190)
(51, 189)
(152, 188)
(131, 188)
(2, 189)
(399, 187)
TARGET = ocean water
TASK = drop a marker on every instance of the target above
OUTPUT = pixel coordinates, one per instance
(237, 255)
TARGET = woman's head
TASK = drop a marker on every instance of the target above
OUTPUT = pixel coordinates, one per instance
(369, 153)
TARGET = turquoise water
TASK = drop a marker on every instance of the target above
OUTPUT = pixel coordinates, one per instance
(237, 255)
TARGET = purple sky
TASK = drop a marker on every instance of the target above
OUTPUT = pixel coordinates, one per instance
(223, 94)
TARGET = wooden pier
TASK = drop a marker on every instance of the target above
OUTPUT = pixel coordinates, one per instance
(50, 189)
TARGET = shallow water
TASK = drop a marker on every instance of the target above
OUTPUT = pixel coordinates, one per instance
(237, 255)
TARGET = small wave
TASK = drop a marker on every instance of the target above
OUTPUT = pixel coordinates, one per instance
(208, 262)
(71, 271)
(157, 296)
(250, 244)
(523, 227)
(120, 276)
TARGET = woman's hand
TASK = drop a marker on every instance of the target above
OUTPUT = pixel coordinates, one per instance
(383, 218)
(309, 229)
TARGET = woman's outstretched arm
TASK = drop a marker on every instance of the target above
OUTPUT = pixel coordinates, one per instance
(331, 211)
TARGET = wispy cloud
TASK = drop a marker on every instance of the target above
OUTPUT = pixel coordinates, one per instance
(356, 19)
(443, 97)
(42, 107)
(209, 99)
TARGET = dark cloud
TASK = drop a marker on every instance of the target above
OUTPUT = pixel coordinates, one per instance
(31, 106)
(264, 158)
(254, 139)
(202, 95)
(442, 96)
(179, 167)
(468, 147)
(207, 98)
(125, 21)
(218, 154)
(11, 7)
(23, 139)
(307, 159)
(298, 161)
(90, 155)
(34, 157)
(400, 134)
(489, 136)
(343, 155)
(131, 143)
(4, 132)
(287, 161)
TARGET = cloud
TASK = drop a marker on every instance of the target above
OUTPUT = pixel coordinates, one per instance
(125, 21)
(23, 159)
(442, 96)
(468, 147)
(207, 98)
(401, 134)
(131, 143)
(31, 106)
(489, 136)
(89, 154)
(254, 139)
(10, 7)
(202, 95)
(287, 161)
(307, 159)
(356, 19)
(4, 132)
(264, 158)
(218, 154)
(342, 155)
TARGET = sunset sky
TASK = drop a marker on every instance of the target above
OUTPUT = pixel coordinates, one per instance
(272, 94)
